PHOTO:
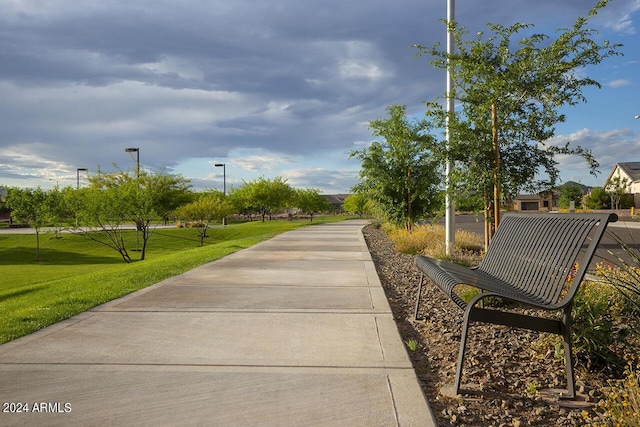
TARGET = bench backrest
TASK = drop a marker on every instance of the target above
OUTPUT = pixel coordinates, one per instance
(537, 253)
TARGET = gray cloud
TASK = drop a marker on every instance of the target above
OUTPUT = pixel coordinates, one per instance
(79, 81)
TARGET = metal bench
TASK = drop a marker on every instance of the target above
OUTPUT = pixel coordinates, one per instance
(530, 260)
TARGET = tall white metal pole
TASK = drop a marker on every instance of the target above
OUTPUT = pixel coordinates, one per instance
(450, 211)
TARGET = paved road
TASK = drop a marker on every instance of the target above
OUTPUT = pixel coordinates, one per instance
(609, 249)
(295, 331)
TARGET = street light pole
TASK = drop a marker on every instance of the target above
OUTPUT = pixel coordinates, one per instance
(224, 185)
(78, 176)
(78, 170)
(137, 151)
(450, 211)
(224, 176)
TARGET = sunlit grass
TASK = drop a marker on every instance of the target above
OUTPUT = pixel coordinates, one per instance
(76, 274)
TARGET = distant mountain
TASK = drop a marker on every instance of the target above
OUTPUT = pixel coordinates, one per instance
(585, 188)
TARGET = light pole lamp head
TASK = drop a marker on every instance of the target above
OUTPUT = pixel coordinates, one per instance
(219, 165)
(131, 150)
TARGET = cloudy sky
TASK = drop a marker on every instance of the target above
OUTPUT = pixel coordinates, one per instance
(269, 88)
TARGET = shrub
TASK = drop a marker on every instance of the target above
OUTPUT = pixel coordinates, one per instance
(597, 333)
(621, 404)
(624, 276)
(430, 240)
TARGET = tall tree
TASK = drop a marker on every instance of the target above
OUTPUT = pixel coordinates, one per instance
(511, 94)
(398, 171)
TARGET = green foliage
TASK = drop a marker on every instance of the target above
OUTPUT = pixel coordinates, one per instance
(309, 201)
(526, 82)
(3, 205)
(241, 198)
(264, 196)
(621, 405)
(532, 387)
(468, 201)
(616, 188)
(412, 344)
(398, 173)
(623, 275)
(597, 199)
(358, 204)
(118, 198)
(596, 333)
(206, 209)
(37, 208)
(570, 193)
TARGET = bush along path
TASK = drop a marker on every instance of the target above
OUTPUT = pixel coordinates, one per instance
(510, 366)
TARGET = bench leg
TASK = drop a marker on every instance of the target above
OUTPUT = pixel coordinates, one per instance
(568, 351)
(463, 346)
(415, 314)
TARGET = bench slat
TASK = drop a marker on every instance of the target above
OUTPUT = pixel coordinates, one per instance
(536, 253)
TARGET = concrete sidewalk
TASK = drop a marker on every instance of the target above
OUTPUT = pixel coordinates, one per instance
(293, 331)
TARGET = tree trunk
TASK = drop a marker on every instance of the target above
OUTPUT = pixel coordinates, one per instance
(145, 228)
(37, 245)
(496, 166)
(488, 224)
(409, 199)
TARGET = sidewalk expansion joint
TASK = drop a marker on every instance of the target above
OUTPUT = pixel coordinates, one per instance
(211, 365)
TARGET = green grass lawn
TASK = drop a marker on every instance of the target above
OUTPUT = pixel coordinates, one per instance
(75, 274)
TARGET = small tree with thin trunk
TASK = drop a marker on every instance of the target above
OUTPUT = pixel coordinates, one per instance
(398, 171)
(205, 210)
(116, 199)
(30, 207)
(616, 188)
(511, 92)
(310, 201)
(358, 204)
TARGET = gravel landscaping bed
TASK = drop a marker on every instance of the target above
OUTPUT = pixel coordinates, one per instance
(499, 360)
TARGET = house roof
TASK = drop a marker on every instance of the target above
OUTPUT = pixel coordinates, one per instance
(335, 199)
(631, 169)
(526, 197)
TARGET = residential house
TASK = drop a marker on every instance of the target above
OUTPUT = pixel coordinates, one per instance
(336, 201)
(534, 203)
(545, 202)
(631, 172)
